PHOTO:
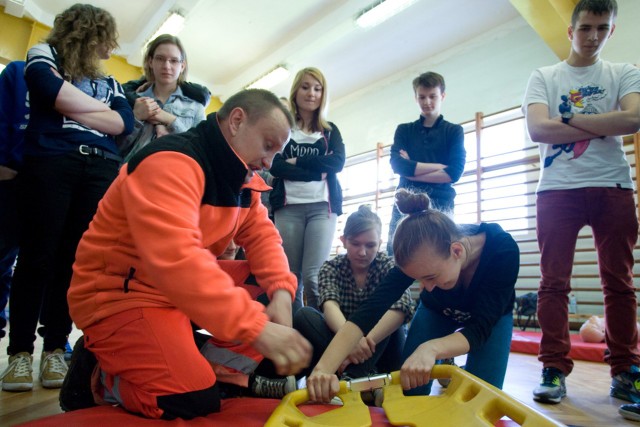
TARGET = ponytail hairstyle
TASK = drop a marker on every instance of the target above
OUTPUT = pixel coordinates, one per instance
(361, 221)
(422, 226)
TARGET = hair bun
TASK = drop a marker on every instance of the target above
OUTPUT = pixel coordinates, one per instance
(364, 209)
(410, 203)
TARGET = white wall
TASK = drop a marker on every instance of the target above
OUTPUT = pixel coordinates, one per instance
(487, 74)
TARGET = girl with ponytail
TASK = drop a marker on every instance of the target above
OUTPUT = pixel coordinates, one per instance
(467, 275)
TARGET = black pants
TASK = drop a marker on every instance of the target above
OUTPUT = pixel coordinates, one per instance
(312, 325)
(8, 242)
(57, 199)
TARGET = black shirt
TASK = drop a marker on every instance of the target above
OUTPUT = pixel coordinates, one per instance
(477, 308)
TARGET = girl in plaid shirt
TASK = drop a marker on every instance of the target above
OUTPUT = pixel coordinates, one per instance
(344, 284)
(467, 275)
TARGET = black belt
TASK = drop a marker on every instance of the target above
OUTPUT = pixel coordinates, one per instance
(98, 152)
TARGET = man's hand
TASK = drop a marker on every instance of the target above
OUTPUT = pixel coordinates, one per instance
(279, 308)
(289, 351)
(143, 87)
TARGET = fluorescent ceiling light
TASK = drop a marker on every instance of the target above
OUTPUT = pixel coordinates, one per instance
(172, 25)
(381, 11)
(270, 79)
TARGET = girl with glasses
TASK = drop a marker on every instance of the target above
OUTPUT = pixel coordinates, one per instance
(163, 102)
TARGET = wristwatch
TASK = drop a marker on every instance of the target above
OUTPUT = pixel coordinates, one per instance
(566, 116)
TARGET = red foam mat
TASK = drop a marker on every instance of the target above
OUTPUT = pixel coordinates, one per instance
(529, 342)
(234, 412)
(245, 412)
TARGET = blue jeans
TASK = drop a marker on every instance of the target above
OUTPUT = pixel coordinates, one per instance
(307, 234)
(488, 362)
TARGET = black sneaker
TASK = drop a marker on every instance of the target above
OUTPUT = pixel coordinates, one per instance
(626, 385)
(552, 388)
(275, 388)
(630, 411)
(373, 397)
(76, 388)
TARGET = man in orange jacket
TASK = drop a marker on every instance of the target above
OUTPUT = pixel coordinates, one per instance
(147, 267)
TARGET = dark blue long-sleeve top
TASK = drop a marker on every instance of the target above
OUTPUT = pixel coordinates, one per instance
(442, 143)
(477, 307)
(50, 132)
(14, 114)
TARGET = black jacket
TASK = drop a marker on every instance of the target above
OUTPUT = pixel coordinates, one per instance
(310, 168)
(193, 90)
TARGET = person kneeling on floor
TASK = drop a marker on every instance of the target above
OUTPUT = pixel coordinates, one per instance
(147, 267)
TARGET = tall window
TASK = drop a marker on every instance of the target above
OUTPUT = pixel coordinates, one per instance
(497, 191)
(498, 185)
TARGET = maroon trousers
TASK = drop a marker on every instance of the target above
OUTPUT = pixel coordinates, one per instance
(561, 214)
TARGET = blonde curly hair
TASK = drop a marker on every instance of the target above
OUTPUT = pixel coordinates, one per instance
(76, 34)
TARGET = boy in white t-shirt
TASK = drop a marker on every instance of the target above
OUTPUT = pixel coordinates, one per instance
(577, 111)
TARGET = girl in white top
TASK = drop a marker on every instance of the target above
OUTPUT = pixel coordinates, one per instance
(306, 197)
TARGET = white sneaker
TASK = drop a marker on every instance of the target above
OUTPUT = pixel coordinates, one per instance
(18, 375)
(53, 368)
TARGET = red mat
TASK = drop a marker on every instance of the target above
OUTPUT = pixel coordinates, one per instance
(529, 342)
(234, 412)
(243, 412)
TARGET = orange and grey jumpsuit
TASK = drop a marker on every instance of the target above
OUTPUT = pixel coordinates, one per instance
(147, 267)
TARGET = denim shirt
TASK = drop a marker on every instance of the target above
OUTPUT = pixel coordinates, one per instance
(187, 111)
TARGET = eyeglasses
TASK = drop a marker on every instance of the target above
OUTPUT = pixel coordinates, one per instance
(174, 62)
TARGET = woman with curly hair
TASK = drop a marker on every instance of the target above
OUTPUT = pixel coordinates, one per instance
(306, 198)
(163, 102)
(467, 275)
(70, 159)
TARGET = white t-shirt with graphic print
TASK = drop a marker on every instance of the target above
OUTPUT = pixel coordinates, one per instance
(596, 89)
(302, 144)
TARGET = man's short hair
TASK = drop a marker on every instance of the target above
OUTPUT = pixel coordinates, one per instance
(256, 103)
(429, 80)
(597, 7)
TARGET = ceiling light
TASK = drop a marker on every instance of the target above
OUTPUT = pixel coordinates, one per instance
(172, 25)
(381, 11)
(270, 79)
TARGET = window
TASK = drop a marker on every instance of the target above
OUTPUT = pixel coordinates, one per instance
(498, 185)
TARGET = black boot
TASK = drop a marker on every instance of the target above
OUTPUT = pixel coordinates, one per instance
(76, 388)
